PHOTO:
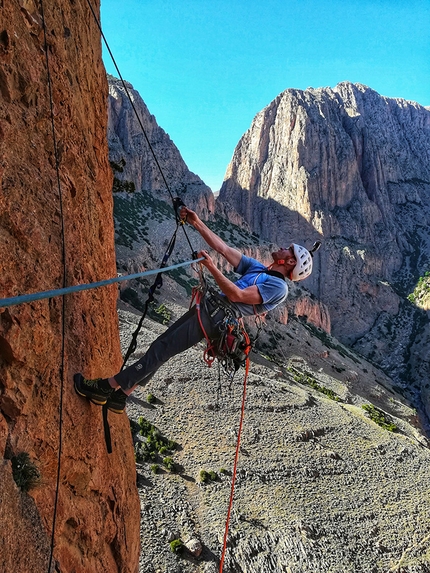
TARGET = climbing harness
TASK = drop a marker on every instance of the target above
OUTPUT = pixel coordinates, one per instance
(233, 345)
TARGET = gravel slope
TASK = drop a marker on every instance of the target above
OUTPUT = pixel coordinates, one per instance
(320, 487)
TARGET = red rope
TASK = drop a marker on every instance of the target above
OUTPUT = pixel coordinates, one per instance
(236, 457)
(209, 358)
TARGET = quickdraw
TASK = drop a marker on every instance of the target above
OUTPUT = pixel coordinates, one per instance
(234, 345)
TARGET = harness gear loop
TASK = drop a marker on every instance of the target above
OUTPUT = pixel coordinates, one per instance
(233, 345)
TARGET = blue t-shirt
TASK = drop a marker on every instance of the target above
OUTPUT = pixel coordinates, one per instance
(273, 290)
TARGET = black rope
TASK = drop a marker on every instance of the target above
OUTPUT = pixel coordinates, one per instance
(63, 322)
(139, 120)
(158, 283)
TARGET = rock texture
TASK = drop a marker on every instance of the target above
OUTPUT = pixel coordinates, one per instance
(43, 343)
(314, 312)
(129, 150)
(350, 167)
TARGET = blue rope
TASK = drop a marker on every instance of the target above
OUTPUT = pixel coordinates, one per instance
(5, 302)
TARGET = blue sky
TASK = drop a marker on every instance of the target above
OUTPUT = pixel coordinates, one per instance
(206, 67)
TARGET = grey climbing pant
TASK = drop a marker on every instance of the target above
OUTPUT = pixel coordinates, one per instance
(183, 334)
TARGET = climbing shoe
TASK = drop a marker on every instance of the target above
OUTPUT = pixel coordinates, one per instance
(116, 401)
(98, 391)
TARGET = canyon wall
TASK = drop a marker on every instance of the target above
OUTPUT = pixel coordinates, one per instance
(132, 158)
(347, 166)
(56, 229)
(315, 474)
(351, 168)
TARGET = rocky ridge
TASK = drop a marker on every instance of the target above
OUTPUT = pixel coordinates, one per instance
(132, 159)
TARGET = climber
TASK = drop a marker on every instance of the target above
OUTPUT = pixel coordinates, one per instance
(258, 291)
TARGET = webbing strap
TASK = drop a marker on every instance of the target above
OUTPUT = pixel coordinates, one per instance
(106, 429)
(6, 302)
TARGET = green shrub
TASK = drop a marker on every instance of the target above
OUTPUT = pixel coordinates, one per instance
(208, 476)
(161, 314)
(169, 464)
(138, 454)
(155, 468)
(150, 398)
(123, 186)
(421, 293)
(380, 418)
(25, 472)
(176, 546)
(118, 167)
(304, 378)
(145, 426)
(155, 444)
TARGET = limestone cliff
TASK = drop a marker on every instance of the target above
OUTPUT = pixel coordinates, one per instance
(132, 159)
(352, 168)
(42, 213)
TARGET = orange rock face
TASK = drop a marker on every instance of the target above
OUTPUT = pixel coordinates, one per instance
(316, 312)
(56, 230)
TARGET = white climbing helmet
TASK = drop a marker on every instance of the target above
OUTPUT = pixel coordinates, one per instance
(303, 266)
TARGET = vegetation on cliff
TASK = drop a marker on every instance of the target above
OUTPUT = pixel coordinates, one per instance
(421, 294)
